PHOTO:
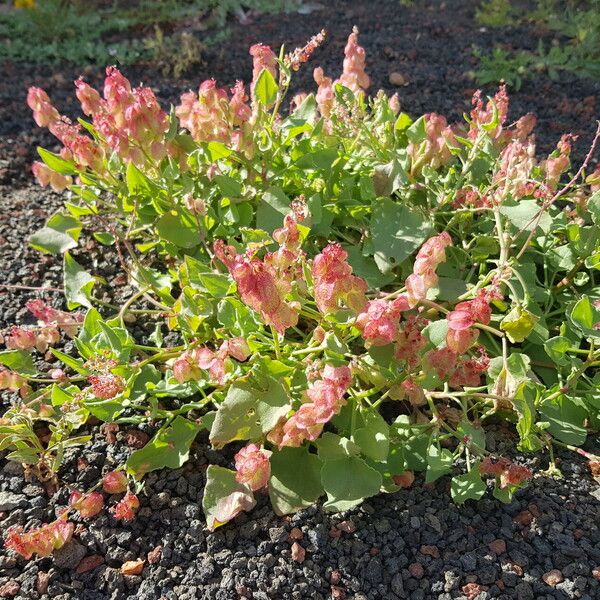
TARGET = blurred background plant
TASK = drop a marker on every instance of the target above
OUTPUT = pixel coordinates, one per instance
(104, 31)
(573, 28)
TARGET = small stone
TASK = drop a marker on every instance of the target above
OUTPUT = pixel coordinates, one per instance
(296, 534)
(278, 534)
(133, 567)
(10, 589)
(398, 585)
(472, 590)
(335, 533)
(41, 582)
(430, 551)
(553, 577)
(69, 556)
(397, 79)
(155, 555)
(497, 546)
(298, 552)
(524, 518)
(89, 563)
(335, 577)
(347, 526)
(338, 593)
(10, 501)
(596, 573)
(416, 570)
(136, 438)
(524, 591)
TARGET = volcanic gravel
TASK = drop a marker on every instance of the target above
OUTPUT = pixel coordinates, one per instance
(414, 544)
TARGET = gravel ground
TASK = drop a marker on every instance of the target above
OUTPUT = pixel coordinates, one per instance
(414, 544)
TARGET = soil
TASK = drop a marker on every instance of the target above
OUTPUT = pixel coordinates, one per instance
(413, 544)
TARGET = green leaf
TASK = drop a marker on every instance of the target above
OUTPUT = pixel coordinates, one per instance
(74, 363)
(228, 186)
(593, 205)
(389, 178)
(468, 486)
(201, 277)
(271, 209)
(566, 418)
(347, 481)
(57, 163)
(224, 495)
(524, 403)
(518, 324)
(266, 88)
(524, 215)
(365, 267)
(332, 446)
(436, 332)
(373, 436)
(137, 182)
(170, 447)
(472, 435)
(295, 479)
(397, 231)
(584, 316)
(60, 234)
(179, 228)
(105, 238)
(439, 462)
(78, 283)
(248, 412)
(556, 348)
(19, 361)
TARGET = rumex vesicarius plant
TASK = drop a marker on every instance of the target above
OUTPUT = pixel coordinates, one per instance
(356, 294)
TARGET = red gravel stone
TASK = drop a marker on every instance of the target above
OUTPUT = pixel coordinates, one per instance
(416, 570)
(497, 546)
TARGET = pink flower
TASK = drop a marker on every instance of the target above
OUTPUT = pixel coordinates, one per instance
(126, 508)
(379, 323)
(334, 282)
(115, 482)
(40, 540)
(44, 112)
(45, 176)
(459, 341)
(353, 75)
(91, 102)
(410, 340)
(435, 149)
(264, 285)
(262, 58)
(20, 338)
(481, 116)
(88, 505)
(413, 392)
(253, 467)
(326, 400)
(106, 385)
(325, 95)
(443, 361)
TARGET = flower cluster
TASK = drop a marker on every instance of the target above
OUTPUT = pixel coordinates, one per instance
(46, 315)
(507, 472)
(252, 466)
(299, 56)
(434, 150)
(88, 505)
(212, 116)
(114, 482)
(106, 385)
(353, 75)
(424, 277)
(125, 509)
(326, 398)
(334, 282)
(264, 285)
(461, 332)
(191, 363)
(41, 540)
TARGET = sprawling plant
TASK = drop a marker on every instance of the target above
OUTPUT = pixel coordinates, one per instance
(356, 295)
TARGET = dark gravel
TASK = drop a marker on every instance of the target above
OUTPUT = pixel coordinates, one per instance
(414, 544)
